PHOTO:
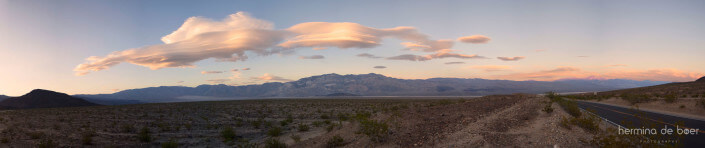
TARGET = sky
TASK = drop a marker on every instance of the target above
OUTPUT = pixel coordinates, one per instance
(90, 47)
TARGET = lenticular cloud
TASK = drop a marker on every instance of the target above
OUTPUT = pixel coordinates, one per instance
(238, 35)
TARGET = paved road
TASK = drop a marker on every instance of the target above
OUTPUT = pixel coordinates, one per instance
(625, 116)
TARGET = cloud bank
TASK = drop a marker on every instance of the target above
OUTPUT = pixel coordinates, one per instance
(239, 35)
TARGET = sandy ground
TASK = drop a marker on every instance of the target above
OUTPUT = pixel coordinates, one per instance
(513, 121)
(689, 110)
(522, 125)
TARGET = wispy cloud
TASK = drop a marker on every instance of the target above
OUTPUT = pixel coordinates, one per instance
(367, 55)
(312, 57)
(475, 39)
(539, 50)
(438, 55)
(211, 72)
(448, 63)
(380, 67)
(269, 77)
(511, 58)
(245, 68)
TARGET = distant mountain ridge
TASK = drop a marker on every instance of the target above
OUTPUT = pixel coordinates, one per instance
(365, 85)
(3, 97)
(40, 98)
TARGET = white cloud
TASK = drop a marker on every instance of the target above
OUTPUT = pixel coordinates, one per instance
(239, 35)
(196, 40)
(511, 58)
(475, 39)
(353, 35)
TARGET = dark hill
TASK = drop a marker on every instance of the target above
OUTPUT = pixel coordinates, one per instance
(701, 79)
(3, 97)
(695, 88)
(39, 98)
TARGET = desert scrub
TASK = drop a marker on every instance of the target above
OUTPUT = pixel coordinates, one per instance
(87, 138)
(317, 123)
(701, 103)
(590, 123)
(46, 143)
(569, 106)
(36, 135)
(283, 123)
(274, 143)
(274, 132)
(547, 108)
(335, 141)
(296, 138)
(127, 128)
(170, 144)
(228, 134)
(376, 130)
(565, 123)
(145, 135)
(331, 127)
(670, 98)
(303, 127)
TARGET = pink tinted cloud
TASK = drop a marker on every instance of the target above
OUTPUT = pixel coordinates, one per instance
(671, 75)
(475, 39)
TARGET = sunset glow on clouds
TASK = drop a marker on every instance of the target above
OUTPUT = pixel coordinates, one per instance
(239, 35)
(118, 45)
(231, 38)
(577, 73)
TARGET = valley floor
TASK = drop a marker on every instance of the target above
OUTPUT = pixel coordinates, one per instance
(491, 121)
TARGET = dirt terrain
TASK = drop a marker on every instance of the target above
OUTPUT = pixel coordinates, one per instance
(491, 121)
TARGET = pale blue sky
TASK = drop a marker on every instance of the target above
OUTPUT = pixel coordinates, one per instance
(42, 41)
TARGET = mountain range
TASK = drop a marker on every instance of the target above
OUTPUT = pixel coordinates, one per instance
(362, 85)
(40, 98)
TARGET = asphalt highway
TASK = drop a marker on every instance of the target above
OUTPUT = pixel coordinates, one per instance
(636, 119)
